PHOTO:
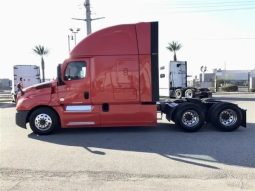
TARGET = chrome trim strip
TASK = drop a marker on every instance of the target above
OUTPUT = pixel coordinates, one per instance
(82, 123)
(79, 108)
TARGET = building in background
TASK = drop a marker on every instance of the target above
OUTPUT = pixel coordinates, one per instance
(209, 80)
(241, 78)
(252, 80)
(5, 84)
(235, 77)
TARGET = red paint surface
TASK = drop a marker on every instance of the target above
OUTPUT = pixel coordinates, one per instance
(118, 73)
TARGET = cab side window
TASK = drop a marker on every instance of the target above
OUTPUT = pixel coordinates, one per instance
(75, 70)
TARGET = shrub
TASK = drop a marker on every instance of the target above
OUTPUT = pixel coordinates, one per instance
(230, 88)
(252, 90)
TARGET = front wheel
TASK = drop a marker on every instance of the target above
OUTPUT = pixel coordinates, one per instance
(189, 117)
(43, 121)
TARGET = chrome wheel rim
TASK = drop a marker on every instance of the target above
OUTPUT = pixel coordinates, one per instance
(43, 122)
(190, 118)
(228, 117)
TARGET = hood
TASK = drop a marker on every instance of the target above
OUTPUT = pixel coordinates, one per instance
(39, 86)
(36, 90)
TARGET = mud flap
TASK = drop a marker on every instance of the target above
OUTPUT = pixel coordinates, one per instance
(243, 123)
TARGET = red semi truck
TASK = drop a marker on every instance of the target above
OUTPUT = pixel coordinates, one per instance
(111, 80)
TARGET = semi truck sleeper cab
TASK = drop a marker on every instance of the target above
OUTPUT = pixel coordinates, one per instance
(111, 80)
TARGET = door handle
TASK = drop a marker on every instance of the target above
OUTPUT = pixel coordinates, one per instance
(86, 95)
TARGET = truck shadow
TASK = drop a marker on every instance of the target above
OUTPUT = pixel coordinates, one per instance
(204, 148)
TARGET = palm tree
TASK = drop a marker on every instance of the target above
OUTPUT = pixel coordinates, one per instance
(173, 47)
(41, 51)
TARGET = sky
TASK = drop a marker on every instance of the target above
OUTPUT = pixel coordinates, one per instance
(213, 33)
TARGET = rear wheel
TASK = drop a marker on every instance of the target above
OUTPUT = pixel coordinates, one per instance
(225, 116)
(178, 93)
(189, 93)
(43, 121)
(189, 117)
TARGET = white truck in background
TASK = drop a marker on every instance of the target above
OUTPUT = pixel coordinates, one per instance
(174, 84)
(30, 75)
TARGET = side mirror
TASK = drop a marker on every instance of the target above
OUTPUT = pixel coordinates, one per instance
(59, 79)
(162, 75)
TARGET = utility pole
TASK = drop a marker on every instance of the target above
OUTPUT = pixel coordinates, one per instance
(88, 17)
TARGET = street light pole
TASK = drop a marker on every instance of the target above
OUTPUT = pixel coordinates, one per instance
(74, 33)
(69, 43)
(72, 37)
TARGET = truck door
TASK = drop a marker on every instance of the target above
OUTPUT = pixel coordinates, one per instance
(75, 96)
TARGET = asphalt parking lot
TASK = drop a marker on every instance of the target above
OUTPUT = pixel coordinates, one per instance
(162, 158)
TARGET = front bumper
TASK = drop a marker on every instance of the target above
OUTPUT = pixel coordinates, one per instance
(21, 118)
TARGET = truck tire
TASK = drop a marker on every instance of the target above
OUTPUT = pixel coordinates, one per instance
(189, 93)
(178, 93)
(189, 117)
(225, 116)
(43, 121)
